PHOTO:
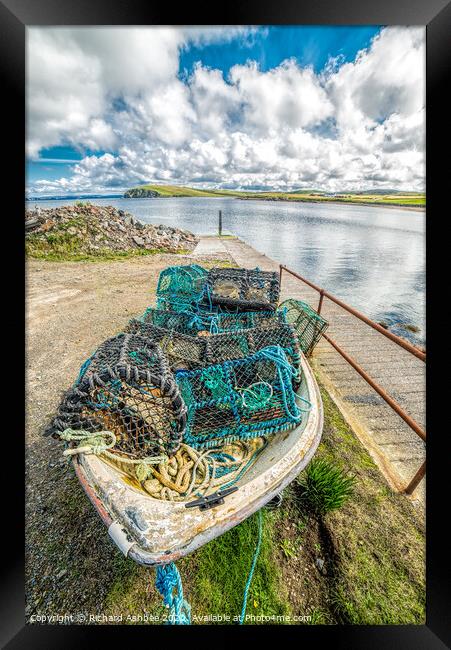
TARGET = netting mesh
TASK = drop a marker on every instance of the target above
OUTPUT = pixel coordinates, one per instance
(244, 320)
(202, 321)
(181, 288)
(243, 288)
(186, 398)
(171, 320)
(239, 399)
(190, 352)
(307, 324)
(127, 388)
(181, 350)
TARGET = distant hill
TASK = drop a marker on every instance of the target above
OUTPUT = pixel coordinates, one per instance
(153, 191)
(367, 197)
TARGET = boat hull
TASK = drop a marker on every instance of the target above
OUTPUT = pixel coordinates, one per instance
(152, 532)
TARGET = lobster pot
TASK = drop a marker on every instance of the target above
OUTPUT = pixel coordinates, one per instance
(244, 320)
(181, 322)
(126, 388)
(214, 323)
(243, 343)
(307, 324)
(181, 288)
(181, 350)
(244, 289)
(239, 399)
(190, 352)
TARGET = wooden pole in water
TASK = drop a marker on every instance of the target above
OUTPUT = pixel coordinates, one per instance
(220, 224)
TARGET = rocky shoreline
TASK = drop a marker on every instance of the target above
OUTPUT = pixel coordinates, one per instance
(91, 229)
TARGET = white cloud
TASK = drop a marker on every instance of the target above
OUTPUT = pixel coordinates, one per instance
(284, 97)
(117, 90)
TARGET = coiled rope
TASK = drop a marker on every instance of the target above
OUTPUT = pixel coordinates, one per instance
(96, 443)
(186, 473)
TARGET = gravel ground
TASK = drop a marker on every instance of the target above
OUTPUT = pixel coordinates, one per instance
(71, 308)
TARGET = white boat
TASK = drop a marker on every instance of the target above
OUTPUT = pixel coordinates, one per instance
(153, 531)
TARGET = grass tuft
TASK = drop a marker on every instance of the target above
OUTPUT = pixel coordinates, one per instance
(324, 486)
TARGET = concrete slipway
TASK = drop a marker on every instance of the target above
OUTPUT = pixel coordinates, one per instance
(396, 449)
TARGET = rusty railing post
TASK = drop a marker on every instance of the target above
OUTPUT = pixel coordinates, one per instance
(321, 298)
(416, 479)
(280, 275)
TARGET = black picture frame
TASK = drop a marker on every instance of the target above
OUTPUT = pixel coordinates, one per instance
(15, 15)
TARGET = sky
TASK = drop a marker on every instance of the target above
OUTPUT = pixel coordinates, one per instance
(257, 108)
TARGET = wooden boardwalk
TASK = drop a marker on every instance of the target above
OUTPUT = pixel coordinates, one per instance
(397, 449)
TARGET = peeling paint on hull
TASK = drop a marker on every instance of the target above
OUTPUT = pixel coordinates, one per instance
(152, 531)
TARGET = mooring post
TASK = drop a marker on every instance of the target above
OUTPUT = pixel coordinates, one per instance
(220, 224)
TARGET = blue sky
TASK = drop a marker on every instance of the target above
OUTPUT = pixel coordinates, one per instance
(266, 107)
(309, 45)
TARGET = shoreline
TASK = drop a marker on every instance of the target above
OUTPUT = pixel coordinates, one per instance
(409, 208)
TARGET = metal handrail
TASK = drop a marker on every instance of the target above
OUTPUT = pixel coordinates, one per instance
(396, 339)
(323, 293)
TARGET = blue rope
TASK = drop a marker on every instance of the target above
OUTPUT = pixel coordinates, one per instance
(276, 354)
(83, 369)
(167, 579)
(251, 572)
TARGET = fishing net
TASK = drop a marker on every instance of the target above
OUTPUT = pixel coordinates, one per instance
(243, 288)
(127, 390)
(181, 288)
(307, 324)
(190, 352)
(239, 399)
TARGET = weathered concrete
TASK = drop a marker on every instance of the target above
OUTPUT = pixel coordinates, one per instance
(398, 451)
(209, 246)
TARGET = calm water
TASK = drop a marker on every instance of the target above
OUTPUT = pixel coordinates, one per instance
(373, 258)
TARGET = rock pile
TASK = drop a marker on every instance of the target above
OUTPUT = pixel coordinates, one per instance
(95, 228)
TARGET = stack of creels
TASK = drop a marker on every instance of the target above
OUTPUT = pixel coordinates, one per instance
(307, 323)
(128, 390)
(243, 289)
(240, 399)
(185, 351)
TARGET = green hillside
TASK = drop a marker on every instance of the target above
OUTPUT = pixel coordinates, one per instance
(367, 197)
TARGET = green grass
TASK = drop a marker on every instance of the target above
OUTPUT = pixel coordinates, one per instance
(408, 199)
(221, 569)
(62, 246)
(377, 540)
(324, 486)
